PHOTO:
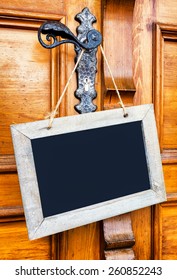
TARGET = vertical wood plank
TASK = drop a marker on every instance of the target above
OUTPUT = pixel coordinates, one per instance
(142, 228)
(117, 35)
(81, 243)
(143, 17)
(118, 18)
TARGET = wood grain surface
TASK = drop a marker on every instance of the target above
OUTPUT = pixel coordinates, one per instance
(152, 228)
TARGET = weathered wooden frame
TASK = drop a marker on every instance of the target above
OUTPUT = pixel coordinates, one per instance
(38, 226)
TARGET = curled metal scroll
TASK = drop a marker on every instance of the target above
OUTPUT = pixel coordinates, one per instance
(54, 29)
(87, 38)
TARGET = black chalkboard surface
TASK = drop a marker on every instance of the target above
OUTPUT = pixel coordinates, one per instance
(87, 168)
(82, 168)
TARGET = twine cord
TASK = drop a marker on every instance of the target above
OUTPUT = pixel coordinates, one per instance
(52, 115)
(54, 112)
(117, 91)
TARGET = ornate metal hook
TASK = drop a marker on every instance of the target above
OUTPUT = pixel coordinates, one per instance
(54, 29)
(89, 39)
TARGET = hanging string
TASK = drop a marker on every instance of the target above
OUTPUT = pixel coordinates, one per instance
(117, 91)
(52, 115)
(54, 112)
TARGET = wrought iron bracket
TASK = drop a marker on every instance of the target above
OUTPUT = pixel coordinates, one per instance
(87, 38)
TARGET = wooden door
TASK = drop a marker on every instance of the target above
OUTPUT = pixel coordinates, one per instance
(31, 80)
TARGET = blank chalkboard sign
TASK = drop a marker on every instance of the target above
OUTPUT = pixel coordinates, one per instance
(87, 168)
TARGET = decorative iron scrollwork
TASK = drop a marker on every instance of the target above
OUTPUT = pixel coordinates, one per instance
(89, 39)
(54, 29)
(86, 70)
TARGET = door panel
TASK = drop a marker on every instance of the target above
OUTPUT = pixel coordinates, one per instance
(165, 240)
(156, 21)
(9, 190)
(169, 133)
(32, 79)
(165, 89)
(25, 79)
(170, 175)
(14, 243)
(118, 18)
(28, 91)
